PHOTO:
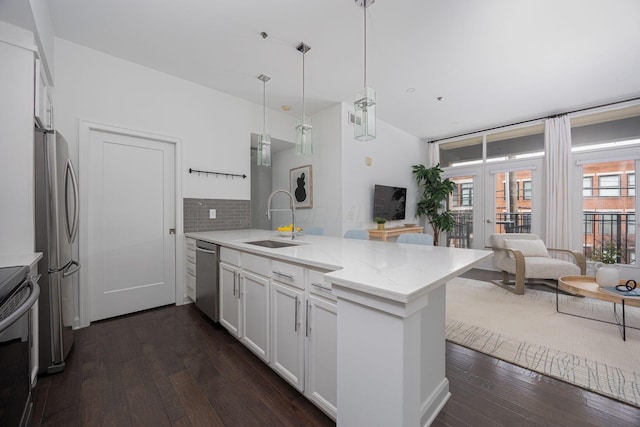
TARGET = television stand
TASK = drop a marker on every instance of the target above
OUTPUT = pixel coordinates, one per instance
(392, 232)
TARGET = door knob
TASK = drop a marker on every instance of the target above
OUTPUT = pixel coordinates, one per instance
(488, 221)
(172, 231)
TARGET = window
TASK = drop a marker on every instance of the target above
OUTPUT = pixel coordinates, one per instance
(467, 194)
(587, 186)
(609, 185)
(526, 190)
(455, 201)
(608, 212)
(587, 222)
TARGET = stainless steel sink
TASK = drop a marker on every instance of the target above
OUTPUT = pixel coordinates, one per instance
(272, 243)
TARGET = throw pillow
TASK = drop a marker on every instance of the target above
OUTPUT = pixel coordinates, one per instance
(527, 247)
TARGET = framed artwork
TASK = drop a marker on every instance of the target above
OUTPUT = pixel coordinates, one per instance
(301, 180)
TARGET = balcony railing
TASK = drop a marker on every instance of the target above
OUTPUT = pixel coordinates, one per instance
(600, 229)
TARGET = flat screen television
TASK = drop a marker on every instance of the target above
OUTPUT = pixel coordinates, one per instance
(389, 202)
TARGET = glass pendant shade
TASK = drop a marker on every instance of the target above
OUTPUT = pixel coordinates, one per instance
(304, 137)
(364, 104)
(264, 141)
(264, 150)
(365, 114)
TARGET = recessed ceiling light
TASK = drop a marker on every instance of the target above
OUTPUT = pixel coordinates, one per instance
(411, 90)
(286, 108)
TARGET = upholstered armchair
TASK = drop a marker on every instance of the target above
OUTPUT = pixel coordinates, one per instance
(527, 257)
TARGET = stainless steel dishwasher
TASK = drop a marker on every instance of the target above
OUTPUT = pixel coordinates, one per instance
(207, 289)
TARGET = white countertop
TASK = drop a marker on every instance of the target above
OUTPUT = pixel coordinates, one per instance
(399, 272)
(12, 260)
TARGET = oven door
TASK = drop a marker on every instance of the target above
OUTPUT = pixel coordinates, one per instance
(15, 344)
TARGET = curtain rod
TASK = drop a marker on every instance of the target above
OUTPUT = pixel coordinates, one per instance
(534, 120)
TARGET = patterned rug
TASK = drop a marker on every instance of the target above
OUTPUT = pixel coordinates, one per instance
(527, 331)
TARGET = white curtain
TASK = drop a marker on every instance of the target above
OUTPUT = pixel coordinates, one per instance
(557, 170)
(433, 154)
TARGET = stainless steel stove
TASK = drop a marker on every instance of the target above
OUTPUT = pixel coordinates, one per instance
(18, 293)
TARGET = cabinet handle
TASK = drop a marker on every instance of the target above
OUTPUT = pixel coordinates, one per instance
(319, 286)
(234, 284)
(281, 274)
(307, 319)
(295, 320)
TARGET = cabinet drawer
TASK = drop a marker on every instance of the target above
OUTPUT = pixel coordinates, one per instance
(191, 257)
(230, 256)
(191, 268)
(257, 264)
(288, 273)
(191, 244)
(318, 286)
(191, 287)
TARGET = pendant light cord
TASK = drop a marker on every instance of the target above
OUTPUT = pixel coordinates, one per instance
(364, 8)
(264, 106)
(303, 109)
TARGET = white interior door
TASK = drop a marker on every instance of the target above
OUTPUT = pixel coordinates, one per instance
(131, 210)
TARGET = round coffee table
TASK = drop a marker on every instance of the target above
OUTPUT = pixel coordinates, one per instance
(586, 286)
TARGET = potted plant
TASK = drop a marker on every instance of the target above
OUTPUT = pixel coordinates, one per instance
(380, 221)
(606, 273)
(434, 192)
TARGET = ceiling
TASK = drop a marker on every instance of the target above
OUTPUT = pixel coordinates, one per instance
(492, 62)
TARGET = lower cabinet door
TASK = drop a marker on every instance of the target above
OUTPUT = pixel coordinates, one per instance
(230, 298)
(287, 333)
(255, 314)
(322, 355)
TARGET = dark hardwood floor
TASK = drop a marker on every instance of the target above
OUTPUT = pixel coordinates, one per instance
(172, 366)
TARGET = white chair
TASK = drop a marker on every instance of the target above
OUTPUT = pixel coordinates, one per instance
(526, 256)
(316, 231)
(416, 239)
(357, 234)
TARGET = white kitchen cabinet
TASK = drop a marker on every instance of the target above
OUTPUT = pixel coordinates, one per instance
(287, 333)
(230, 298)
(254, 303)
(190, 263)
(43, 104)
(321, 354)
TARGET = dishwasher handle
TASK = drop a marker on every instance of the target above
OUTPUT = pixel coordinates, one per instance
(206, 251)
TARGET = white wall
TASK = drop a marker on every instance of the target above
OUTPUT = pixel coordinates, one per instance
(342, 182)
(44, 35)
(17, 233)
(214, 127)
(327, 183)
(392, 154)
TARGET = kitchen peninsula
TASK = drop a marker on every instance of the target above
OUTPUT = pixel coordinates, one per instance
(390, 317)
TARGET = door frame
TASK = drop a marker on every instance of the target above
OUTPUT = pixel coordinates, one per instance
(84, 139)
(535, 165)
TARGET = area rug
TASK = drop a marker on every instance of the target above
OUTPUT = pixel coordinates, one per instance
(527, 331)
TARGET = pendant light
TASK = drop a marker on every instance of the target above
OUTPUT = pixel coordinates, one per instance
(365, 99)
(264, 142)
(304, 134)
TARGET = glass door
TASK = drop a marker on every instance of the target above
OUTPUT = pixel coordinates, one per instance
(514, 201)
(465, 202)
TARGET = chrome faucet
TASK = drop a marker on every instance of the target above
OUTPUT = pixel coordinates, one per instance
(292, 209)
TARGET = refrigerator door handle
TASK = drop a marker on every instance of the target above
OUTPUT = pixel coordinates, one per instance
(70, 176)
(72, 268)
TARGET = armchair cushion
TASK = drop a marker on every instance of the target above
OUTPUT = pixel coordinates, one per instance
(528, 248)
(541, 267)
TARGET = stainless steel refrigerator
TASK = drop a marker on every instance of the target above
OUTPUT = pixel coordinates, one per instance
(56, 214)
